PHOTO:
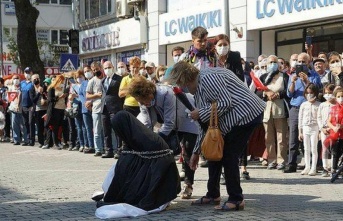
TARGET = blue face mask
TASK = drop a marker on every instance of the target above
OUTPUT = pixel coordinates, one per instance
(272, 67)
(185, 89)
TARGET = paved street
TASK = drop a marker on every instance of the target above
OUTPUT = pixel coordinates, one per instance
(40, 184)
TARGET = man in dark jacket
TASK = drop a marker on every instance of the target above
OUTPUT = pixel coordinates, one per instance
(112, 104)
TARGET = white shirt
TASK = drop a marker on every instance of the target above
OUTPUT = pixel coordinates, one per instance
(323, 114)
(308, 114)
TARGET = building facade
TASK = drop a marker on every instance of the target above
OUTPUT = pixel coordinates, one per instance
(54, 21)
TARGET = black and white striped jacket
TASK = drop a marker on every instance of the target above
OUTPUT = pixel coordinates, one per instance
(236, 104)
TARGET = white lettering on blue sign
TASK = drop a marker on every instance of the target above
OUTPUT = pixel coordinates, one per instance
(267, 8)
(208, 20)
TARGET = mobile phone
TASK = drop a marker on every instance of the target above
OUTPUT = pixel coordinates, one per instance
(301, 68)
(309, 40)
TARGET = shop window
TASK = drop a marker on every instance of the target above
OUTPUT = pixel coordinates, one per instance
(65, 2)
(289, 35)
(325, 30)
(63, 37)
(286, 51)
(61, 2)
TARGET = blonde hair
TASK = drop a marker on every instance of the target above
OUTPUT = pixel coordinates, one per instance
(141, 87)
(79, 73)
(59, 79)
(183, 73)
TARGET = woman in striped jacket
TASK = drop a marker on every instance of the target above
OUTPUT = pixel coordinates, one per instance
(239, 111)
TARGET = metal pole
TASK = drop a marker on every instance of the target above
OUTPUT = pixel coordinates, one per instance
(1, 44)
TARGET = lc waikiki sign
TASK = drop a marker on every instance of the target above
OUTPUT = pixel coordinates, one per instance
(271, 13)
(177, 26)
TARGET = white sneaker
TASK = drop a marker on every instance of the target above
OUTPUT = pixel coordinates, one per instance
(305, 171)
(182, 175)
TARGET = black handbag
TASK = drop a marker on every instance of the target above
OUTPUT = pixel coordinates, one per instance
(174, 142)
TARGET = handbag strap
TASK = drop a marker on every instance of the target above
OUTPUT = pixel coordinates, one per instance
(214, 115)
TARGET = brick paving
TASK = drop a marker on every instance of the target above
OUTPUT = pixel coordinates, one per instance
(54, 185)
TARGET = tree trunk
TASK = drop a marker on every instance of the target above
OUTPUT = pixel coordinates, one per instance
(26, 38)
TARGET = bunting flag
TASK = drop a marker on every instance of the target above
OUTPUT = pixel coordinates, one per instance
(11, 96)
(257, 82)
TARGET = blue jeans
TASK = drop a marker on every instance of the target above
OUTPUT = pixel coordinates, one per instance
(17, 126)
(98, 132)
(81, 131)
(88, 123)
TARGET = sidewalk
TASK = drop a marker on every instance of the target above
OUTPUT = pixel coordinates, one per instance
(40, 184)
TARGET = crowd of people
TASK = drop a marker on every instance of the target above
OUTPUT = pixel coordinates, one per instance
(298, 102)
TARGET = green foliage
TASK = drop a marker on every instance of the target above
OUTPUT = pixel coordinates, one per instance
(46, 51)
(13, 47)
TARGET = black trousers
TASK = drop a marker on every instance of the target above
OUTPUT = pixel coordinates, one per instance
(107, 127)
(188, 141)
(40, 126)
(29, 123)
(73, 138)
(8, 124)
(56, 122)
(235, 143)
(337, 151)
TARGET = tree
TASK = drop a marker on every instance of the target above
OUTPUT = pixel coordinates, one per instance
(27, 16)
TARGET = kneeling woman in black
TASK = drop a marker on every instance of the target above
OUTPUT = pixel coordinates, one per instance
(145, 175)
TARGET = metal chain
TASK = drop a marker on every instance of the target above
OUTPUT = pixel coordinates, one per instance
(144, 153)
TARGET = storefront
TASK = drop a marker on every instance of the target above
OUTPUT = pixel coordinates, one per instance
(175, 27)
(115, 42)
(284, 24)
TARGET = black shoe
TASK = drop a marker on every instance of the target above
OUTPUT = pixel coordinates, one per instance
(32, 144)
(290, 169)
(107, 155)
(97, 196)
(70, 148)
(40, 145)
(25, 144)
(16, 143)
(89, 150)
(57, 147)
(75, 149)
(116, 155)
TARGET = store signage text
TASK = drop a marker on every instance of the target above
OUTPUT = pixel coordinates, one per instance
(101, 41)
(267, 8)
(208, 20)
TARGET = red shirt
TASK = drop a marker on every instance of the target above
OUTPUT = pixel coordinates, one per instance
(336, 114)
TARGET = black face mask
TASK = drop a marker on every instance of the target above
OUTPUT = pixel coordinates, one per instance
(36, 81)
(98, 73)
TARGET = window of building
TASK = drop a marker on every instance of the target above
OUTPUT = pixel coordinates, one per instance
(96, 8)
(61, 2)
(59, 37)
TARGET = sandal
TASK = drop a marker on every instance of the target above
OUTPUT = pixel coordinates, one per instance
(201, 201)
(239, 205)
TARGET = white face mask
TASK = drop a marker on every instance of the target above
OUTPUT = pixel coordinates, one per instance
(176, 59)
(152, 75)
(120, 71)
(16, 82)
(293, 64)
(142, 72)
(310, 97)
(109, 72)
(336, 65)
(222, 50)
(339, 100)
(328, 97)
(79, 80)
(88, 74)
(161, 78)
(27, 76)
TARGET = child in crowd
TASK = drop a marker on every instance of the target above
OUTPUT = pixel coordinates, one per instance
(335, 124)
(308, 128)
(323, 115)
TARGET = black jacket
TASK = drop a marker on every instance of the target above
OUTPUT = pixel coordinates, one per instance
(233, 63)
(113, 103)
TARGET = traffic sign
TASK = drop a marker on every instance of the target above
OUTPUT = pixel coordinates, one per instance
(68, 62)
